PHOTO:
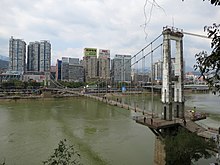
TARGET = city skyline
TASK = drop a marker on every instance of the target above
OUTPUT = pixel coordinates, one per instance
(117, 26)
(35, 57)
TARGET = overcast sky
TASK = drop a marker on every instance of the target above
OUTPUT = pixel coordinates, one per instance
(117, 25)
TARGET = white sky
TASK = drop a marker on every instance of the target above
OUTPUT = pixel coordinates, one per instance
(118, 25)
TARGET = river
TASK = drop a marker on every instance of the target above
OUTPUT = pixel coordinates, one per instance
(103, 134)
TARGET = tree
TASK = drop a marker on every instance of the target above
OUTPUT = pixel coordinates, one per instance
(209, 64)
(213, 2)
(63, 155)
(186, 147)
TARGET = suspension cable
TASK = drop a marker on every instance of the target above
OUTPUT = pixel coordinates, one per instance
(147, 54)
(197, 35)
(134, 56)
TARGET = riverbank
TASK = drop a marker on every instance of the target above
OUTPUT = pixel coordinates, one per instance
(33, 97)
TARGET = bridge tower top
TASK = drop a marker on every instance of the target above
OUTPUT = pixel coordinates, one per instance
(172, 31)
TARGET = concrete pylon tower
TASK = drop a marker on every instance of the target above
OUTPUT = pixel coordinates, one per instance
(173, 100)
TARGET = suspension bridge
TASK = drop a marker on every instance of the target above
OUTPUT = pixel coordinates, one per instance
(172, 95)
(173, 113)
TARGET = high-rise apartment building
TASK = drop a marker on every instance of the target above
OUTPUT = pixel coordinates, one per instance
(104, 64)
(121, 68)
(39, 56)
(17, 55)
(90, 64)
(45, 56)
(33, 56)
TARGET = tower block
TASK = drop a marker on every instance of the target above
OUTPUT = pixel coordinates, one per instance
(172, 98)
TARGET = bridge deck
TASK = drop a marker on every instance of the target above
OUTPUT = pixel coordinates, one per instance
(156, 123)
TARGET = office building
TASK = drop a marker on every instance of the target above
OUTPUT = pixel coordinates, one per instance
(65, 69)
(17, 55)
(90, 64)
(72, 70)
(73, 61)
(76, 70)
(121, 68)
(104, 64)
(58, 69)
(76, 73)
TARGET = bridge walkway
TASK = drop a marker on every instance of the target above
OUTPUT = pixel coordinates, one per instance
(157, 123)
(154, 123)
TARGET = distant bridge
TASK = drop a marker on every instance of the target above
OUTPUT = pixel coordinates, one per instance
(191, 87)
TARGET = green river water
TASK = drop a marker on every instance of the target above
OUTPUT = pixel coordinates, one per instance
(103, 134)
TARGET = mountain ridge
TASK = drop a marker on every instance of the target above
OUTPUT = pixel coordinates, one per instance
(4, 58)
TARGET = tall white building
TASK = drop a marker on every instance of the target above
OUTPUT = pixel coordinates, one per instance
(121, 68)
(17, 55)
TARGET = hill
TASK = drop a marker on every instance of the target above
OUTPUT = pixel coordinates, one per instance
(4, 58)
(3, 64)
